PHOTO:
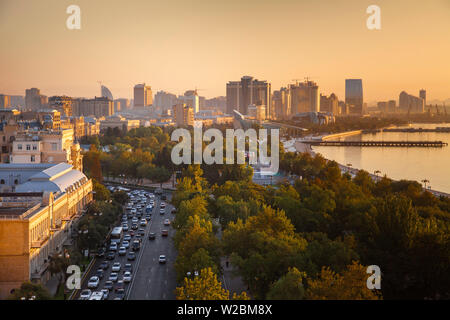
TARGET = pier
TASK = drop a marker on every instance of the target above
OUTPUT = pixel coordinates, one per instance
(407, 144)
(437, 129)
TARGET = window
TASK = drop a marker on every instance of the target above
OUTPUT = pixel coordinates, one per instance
(34, 147)
(19, 147)
(2, 181)
(33, 159)
(28, 147)
(54, 146)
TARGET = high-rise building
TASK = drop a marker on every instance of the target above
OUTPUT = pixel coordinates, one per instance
(124, 103)
(63, 104)
(241, 94)
(354, 95)
(257, 111)
(409, 103)
(329, 104)
(97, 107)
(142, 95)
(382, 106)
(34, 100)
(391, 106)
(423, 95)
(164, 101)
(191, 99)
(105, 92)
(305, 97)
(281, 103)
(5, 101)
(183, 115)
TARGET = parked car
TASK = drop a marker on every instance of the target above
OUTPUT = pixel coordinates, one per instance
(93, 282)
(116, 267)
(162, 259)
(85, 294)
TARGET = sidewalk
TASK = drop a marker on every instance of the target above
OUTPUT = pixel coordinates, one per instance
(231, 282)
(52, 285)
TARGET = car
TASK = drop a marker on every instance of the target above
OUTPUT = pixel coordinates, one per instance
(134, 220)
(163, 205)
(143, 222)
(120, 294)
(113, 277)
(126, 244)
(167, 222)
(141, 231)
(138, 237)
(101, 252)
(148, 217)
(162, 259)
(119, 285)
(131, 234)
(164, 233)
(110, 255)
(113, 247)
(125, 227)
(136, 245)
(162, 211)
(164, 197)
(127, 276)
(126, 237)
(122, 251)
(99, 273)
(128, 267)
(108, 285)
(105, 293)
(96, 295)
(104, 265)
(116, 267)
(131, 256)
(134, 226)
(151, 236)
(173, 211)
(85, 294)
(124, 218)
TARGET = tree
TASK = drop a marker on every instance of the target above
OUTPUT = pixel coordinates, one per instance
(203, 287)
(57, 266)
(29, 291)
(351, 285)
(101, 192)
(288, 287)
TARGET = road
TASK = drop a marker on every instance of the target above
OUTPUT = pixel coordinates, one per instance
(150, 279)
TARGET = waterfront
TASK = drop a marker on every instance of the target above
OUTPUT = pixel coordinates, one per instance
(417, 164)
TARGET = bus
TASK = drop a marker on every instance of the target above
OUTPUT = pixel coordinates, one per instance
(116, 234)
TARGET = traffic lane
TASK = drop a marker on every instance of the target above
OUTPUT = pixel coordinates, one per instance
(155, 280)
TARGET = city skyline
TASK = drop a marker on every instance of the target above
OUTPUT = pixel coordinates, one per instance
(216, 42)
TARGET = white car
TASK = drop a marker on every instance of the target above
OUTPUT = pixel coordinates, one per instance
(93, 282)
(127, 276)
(126, 244)
(162, 259)
(85, 294)
(96, 295)
(163, 205)
(113, 277)
(105, 293)
(116, 267)
(143, 222)
(161, 211)
(113, 247)
(122, 251)
(166, 222)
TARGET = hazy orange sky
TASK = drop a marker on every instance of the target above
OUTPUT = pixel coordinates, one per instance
(176, 45)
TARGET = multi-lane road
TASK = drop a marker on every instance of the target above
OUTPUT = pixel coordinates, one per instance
(151, 280)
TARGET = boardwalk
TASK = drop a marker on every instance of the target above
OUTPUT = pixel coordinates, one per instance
(408, 144)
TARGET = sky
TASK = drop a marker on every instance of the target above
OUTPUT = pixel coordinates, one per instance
(177, 45)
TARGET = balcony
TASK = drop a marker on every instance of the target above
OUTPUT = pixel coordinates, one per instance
(39, 243)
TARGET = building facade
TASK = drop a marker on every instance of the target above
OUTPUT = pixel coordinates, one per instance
(34, 99)
(248, 91)
(354, 95)
(304, 97)
(142, 95)
(410, 104)
(329, 104)
(183, 115)
(40, 207)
